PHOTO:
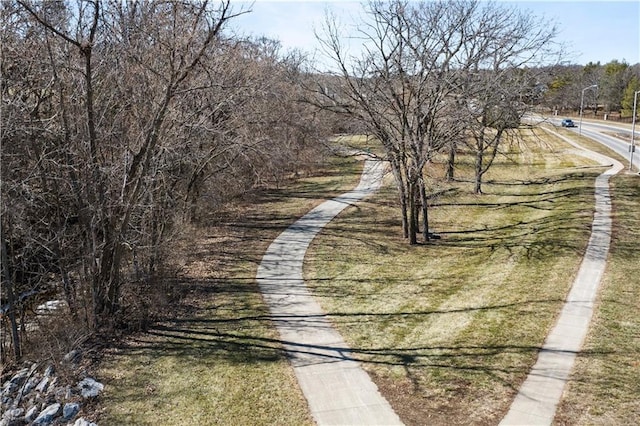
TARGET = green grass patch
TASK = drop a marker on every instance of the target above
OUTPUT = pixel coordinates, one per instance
(450, 329)
(605, 385)
(217, 360)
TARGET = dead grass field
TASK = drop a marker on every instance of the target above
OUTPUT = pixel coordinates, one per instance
(605, 385)
(450, 329)
(219, 362)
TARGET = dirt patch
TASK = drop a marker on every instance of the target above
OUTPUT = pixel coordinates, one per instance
(416, 407)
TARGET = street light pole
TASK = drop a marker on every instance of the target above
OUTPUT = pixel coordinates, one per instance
(633, 130)
(581, 103)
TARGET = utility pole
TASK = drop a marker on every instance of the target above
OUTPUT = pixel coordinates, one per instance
(632, 148)
(581, 103)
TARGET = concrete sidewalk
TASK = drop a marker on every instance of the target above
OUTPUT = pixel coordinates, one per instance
(540, 394)
(338, 390)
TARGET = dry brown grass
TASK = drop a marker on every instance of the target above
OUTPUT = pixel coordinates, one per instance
(450, 329)
(605, 385)
(217, 360)
(447, 330)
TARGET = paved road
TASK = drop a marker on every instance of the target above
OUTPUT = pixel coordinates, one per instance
(622, 128)
(604, 126)
(539, 395)
(337, 389)
(600, 133)
(616, 145)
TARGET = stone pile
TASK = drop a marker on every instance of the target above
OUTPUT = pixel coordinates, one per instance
(31, 397)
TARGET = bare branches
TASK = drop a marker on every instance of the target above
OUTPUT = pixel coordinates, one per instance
(427, 70)
(29, 7)
(121, 118)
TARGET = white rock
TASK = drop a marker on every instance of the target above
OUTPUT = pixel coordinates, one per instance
(13, 414)
(32, 413)
(31, 383)
(42, 386)
(90, 388)
(70, 410)
(6, 401)
(50, 307)
(49, 371)
(52, 386)
(19, 377)
(73, 356)
(84, 422)
(47, 415)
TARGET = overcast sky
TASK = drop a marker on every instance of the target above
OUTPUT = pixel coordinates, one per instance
(593, 30)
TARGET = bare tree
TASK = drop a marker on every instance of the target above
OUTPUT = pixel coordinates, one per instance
(34, 204)
(406, 86)
(113, 153)
(502, 81)
(397, 89)
(429, 71)
(119, 121)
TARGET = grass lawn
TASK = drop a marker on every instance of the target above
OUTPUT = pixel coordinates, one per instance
(449, 330)
(605, 385)
(219, 361)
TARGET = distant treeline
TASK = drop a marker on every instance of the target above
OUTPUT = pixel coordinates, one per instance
(617, 82)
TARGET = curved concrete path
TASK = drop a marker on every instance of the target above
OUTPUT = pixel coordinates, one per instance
(337, 389)
(539, 395)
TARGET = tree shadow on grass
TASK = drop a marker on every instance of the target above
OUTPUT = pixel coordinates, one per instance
(234, 340)
(536, 238)
(244, 334)
(546, 200)
(549, 180)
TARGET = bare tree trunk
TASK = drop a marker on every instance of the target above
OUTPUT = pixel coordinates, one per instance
(15, 337)
(477, 185)
(403, 208)
(425, 213)
(113, 291)
(402, 196)
(451, 162)
(484, 162)
(413, 214)
(69, 292)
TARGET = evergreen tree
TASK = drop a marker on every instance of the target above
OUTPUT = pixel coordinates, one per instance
(627, 97)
